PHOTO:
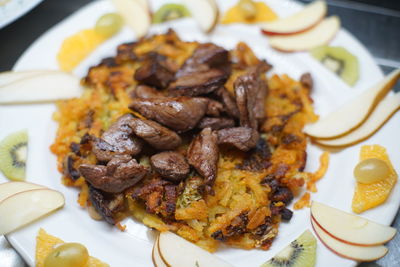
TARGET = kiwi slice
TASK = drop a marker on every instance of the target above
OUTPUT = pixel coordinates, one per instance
(300, 253)
(13, 153)
(170, 12)
(339, 60)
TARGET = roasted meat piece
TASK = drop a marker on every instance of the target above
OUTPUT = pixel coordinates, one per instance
(170, 165)
(155, 134)
(120, 173)
(205, 56)
(144, 91)
(228, 101)
(257, 159)
(203, 155)
(117, 140)
(152, 72)
(178, 113)
(198, 83)
(216, 123)
(307, 81)
(107, 205)
(214, 108)
(243, 138)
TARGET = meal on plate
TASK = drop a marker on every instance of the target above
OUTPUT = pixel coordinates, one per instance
(187, 137)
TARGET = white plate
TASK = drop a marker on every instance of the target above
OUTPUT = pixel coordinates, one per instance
(11, 10)
(133, 247)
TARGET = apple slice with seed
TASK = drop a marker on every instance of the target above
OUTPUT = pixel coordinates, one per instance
(382, 113)
(301, 21)
(176, 251)
(10, 188)
(321, 34)
(354, 113)
(348, 251)
(349, 228)
(25, 207)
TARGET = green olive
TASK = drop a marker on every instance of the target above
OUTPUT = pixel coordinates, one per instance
(371, 170)
(109, 24)
(248, 9)
(67, 255)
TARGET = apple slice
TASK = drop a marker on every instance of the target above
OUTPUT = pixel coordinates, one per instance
(352, 252)
(156, 257)
(349, 228)
(48, 86)
(382, 113)
(205, 12)
(301, 21)
(316, 36)
(136, 15)
(11, 188)
(354, 113)
(25, 207)
(13, 76)
(176, 251)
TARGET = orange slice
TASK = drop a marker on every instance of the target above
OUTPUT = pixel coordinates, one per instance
(45, 243)
(77, 47)
(368, 196)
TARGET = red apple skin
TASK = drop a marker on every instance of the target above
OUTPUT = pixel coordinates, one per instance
(345, 241)
(292, 33)
(340, 255)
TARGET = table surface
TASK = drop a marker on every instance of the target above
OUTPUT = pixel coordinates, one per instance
(375, 23)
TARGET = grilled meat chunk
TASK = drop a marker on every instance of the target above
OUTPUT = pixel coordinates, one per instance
(243, 138)
(216, 123)
(214, 108)
(203, 155)
(250, 91)
(155, 134)
(178, 113)
(152, 72)
(228, 101)
(144, 91)
(198, 83)
(307, 81)
(170, 165)
(205, 56)
(107, 205)
(258, 159)
(117, 140)
(120, 173)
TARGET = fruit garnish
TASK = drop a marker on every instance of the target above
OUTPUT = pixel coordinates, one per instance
(169, 12)
(13, 154)
(368, 196)
(371, 170)
(109, 24)
(349, 228)
(67, 255)
(44, 86)
(176, 251)
(205, 12)
(77, 47)
(249, 12)
(357, 253)
(301, 21)
(338, 60)
(139, 22)
(319, 35)
(10, 188)
(354, 113)
(299, 253)
(25, 207)
(46, 244)
(8, 77)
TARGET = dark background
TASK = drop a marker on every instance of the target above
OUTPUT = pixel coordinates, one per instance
(376, 23)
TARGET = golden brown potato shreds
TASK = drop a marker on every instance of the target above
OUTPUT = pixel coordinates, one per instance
(240, 212)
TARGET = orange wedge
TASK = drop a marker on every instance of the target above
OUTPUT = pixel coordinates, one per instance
(45, 243)
(77, 47)
(368, 196)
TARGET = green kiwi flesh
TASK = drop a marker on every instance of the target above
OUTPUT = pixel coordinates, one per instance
(13, 154)
(299, 253)
(339, 60)
(170, 12)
